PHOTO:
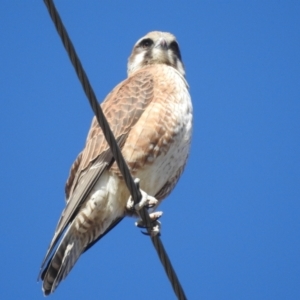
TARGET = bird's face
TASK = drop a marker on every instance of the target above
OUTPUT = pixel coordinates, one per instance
(155, 48)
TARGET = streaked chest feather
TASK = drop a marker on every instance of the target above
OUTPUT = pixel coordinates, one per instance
(161, 141)
(164, 163)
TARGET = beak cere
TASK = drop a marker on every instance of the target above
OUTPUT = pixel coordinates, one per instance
(161, 43)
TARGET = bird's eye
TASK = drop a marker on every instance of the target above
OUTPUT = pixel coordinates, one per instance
(146, 43)
(175, 48)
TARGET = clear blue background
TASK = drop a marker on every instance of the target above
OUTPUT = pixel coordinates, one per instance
(231, 227)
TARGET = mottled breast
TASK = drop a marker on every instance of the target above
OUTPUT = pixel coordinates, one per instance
(157, 147)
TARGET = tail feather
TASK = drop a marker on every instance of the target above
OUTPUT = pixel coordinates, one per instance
(62, 261)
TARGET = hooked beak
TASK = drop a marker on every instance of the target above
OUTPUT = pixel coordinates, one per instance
(161, 43)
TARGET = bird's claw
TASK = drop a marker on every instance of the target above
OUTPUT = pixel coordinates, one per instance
(156, 225)
(149, 202)
(146, 201)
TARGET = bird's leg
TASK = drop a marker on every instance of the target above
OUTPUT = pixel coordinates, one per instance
(149, 202)
(146, 201)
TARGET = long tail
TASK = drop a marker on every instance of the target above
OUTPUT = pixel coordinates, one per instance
(63, 260)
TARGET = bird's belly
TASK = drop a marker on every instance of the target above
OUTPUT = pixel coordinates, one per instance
(170, 161)
(164, 167)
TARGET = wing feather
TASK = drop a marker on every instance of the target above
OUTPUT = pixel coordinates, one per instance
(122, 107)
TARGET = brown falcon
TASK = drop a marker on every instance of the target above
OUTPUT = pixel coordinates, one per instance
(150, 114)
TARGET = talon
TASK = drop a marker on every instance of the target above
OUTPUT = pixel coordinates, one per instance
(153, 217)
(146, 233)
(146, 201)
(155, 230)
(130, 204)
(154, 220)
(150, 203)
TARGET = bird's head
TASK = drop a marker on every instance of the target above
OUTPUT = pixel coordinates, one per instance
(155, 48)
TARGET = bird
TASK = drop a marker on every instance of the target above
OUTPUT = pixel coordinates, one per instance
(151, 115)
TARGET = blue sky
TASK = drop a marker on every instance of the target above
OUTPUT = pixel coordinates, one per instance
(231, 227)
